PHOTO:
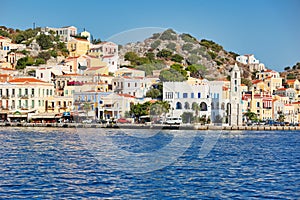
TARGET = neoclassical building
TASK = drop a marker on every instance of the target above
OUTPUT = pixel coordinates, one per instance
(181, 97)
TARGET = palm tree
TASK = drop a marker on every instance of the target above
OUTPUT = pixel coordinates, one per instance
(86, 108)
(196, 108)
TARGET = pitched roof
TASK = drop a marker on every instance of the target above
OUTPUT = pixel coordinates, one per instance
(256, 81)
(29, 80)
(126, 95)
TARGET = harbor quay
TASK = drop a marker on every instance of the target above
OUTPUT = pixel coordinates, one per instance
(154, 126)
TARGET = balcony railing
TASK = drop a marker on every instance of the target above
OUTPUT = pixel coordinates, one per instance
(24, 96)
(5, 97)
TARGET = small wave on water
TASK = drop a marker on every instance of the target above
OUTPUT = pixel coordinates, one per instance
(56, 164)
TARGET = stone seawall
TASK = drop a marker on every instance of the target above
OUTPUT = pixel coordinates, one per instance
(155, 126)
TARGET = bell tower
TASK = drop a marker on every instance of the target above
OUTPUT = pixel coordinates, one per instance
(235, 113)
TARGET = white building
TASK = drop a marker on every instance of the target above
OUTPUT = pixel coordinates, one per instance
(218, 101)
(134, 86)
(250, 60)
(181, 97)
(65, 33)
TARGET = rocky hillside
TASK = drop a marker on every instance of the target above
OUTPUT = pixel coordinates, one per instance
(291, 72)
(212, 56)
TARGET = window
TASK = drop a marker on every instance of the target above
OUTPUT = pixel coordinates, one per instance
(51, 92)
(178, 106)
(235, 75)
(178, 95)
(128, 84)
(32, 103)
(169, 95)
(235, 82)
(41, 75)
(235, 89)
(185, 95)
(32, 91)
(135, 84)
(257, 104)
(47, 92)
(199, 95)
(192, 95)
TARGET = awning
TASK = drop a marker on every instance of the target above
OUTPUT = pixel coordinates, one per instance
(19, 116)
(45, 116)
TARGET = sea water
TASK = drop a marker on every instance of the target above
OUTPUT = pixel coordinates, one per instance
(49, 163)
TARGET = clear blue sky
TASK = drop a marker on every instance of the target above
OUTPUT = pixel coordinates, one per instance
(269, 29)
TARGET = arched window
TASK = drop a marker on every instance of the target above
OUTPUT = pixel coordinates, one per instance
(178, 106)
(186, 105)
(203, 106)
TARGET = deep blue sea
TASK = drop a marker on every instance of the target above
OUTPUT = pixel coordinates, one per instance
(49, 163)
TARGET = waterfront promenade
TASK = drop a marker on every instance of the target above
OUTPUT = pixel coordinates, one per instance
(152, 126)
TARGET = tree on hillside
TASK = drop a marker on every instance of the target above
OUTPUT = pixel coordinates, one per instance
(247, 82)
(155, 44)
(171, 75)
(177, 58)
(179, 68)
(45, 41)
(169, 34)
(131, 56)
(46, 55)
(193, 59)
(188, 38)
(153, 93)
(171, 46)
(197, 71)
(164, 53)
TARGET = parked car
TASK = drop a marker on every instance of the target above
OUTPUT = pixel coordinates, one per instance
(173, 120)
(123, 121)
(87, 121)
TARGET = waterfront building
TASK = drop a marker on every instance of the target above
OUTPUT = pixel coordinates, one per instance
(24, 96)
(181, 97)
(88, 104)
(219, 101)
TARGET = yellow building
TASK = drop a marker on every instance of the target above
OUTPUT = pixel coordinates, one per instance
(78, 47)
(24, 96)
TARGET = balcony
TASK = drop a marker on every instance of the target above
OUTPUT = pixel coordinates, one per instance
(5, 97)
(4, 108)
(24, 108)
(24, 96)
(50, 108)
